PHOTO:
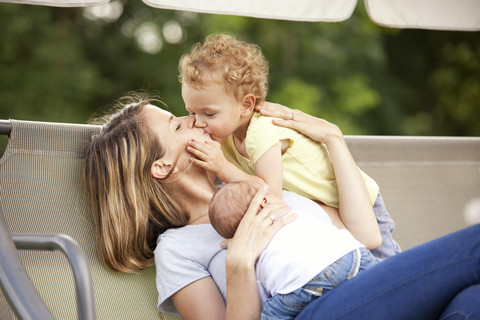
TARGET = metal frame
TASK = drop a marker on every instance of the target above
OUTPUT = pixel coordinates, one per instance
(16, 285)
(5, 127)
(15, 282)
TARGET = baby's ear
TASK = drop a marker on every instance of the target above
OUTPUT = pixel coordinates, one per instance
(248, 103)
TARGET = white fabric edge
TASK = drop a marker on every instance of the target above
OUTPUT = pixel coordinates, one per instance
(232, 13)
(416, 26)
(80, 4)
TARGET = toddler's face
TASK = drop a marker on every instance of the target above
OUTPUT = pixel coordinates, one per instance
(217, 112)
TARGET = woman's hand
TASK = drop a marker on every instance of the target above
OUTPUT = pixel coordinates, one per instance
(317, 129)
(257, 228)
(253, 235)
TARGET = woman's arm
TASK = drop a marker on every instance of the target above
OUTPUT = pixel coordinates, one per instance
(251, 238)
(355, 208)
(200, 300)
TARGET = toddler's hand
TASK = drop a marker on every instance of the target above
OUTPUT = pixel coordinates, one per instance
(207, 155)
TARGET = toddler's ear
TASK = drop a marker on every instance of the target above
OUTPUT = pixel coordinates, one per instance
(248, 103)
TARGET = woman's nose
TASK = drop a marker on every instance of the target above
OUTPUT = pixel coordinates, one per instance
(187, 121)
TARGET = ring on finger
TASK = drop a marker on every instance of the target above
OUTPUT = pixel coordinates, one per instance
(272, 218)
(293, 116)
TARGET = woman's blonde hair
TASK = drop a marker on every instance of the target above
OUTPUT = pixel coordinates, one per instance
(130, 207)
(222, 58)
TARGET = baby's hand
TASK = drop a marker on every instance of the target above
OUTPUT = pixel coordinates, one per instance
(207, 155)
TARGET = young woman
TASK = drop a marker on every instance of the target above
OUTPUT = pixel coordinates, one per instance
(151, 204)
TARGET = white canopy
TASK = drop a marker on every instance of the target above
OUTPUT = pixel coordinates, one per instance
(60, 3)
(419, 14)
(298, 10)
(426, 14)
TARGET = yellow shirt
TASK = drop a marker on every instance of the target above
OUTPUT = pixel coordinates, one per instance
(307, 168)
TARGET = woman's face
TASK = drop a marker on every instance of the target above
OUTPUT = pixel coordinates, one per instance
(172, 132)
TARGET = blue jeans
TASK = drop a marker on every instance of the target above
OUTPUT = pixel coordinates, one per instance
(288, 306)
(436, 280)
(389, 247)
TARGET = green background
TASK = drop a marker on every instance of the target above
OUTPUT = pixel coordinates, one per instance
(66, 64)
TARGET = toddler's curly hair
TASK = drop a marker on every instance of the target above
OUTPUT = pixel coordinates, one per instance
(222, 58)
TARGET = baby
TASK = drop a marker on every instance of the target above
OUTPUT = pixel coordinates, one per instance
(308, 256)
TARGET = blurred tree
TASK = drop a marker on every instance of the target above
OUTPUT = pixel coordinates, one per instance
(45, 74)
(59, 64)
(440, 72)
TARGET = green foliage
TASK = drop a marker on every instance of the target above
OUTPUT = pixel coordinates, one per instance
(59, 64)
(298, 94)
(44, 68)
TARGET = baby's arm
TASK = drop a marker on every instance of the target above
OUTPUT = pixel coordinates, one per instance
(209, 156)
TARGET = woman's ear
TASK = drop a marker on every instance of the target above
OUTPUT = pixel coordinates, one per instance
(160, 169)
(248, 104)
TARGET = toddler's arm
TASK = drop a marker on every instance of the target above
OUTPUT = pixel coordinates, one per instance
(209, 156)
(269, 168)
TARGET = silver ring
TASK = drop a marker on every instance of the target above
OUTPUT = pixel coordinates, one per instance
(272, 218)
(293, 116)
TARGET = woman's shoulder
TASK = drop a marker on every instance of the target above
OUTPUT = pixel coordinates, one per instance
(182, 256)
(197, 242)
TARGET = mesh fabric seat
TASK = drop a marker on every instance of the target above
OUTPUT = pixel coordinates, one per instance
(41, 192)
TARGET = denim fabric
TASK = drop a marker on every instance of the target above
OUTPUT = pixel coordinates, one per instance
(461, 306)
(419, 283)
(386, 225)
(288, 306)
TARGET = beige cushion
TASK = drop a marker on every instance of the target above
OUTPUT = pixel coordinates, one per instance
(426, 182)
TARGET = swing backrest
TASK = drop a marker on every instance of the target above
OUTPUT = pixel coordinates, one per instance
(41, 192)
(429, 184)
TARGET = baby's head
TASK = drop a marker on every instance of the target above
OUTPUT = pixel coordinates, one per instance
(222, 59)
(229, 204)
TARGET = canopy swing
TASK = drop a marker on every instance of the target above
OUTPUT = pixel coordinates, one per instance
(48, 264)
